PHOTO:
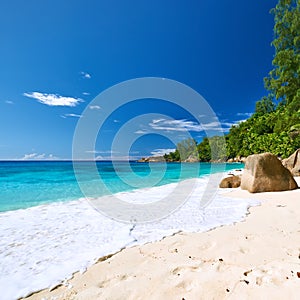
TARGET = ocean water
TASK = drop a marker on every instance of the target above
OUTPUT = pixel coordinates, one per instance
(27, 184)
(45, 239)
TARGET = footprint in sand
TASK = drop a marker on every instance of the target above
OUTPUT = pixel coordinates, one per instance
(207, 245)
(104, 283)
(244, 250)
(183, 269)
(267, 276)
(173, 248)
(186, 285)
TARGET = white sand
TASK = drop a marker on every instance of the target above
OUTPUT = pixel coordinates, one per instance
(255, 259)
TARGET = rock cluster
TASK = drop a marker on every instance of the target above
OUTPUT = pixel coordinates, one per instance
(239, 159)
(152, 159)
(192, 159)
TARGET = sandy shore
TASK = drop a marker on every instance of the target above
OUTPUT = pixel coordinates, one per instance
(255, 259)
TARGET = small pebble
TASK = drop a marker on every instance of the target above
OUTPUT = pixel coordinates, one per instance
(247, 272)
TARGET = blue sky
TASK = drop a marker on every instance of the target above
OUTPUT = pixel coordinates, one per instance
(57, 56)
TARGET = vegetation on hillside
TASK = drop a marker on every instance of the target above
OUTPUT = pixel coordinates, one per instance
(275, 125)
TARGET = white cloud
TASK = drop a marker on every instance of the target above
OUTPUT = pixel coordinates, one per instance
(239, 121)
(99, 157)
(121, 158)
(9, 102)
(220, 126)
(96, 107)
(161, 152)
(85, 93)
(227, 125)
(211, 126)
(240, 114)
(116, 121)
(71, 115)
(33, 156)
(175, 125)
(53, 100)
(102, 151)
(86, 75)
(91, 151)
(112, 155)
(185, 125)
(141, 131)
(36, 156)
(135, 152)
(157, 121)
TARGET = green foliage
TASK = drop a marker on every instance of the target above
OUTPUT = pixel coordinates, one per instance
(261, 134)
(212, 149)
(284, 80)
(173, 156)
(184, 150)
(264, 106)
(218, 148)
(187, 148)
(204, 150)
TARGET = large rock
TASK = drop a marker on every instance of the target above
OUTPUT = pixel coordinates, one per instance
(293, 163)
(230, 182)
(265, 173)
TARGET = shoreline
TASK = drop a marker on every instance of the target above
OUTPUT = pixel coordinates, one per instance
(46, 244)
(257, 257)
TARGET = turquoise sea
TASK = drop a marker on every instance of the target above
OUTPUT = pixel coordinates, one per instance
(25, 184)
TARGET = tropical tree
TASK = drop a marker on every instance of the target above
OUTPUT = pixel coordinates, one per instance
(187, 148)
(284, 80)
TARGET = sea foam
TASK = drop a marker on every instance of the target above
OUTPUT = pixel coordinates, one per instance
(43, 246)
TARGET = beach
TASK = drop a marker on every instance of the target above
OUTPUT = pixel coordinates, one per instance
(135, 141)
(253, 259)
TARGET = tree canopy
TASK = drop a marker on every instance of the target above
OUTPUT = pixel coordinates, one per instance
(284, 80)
